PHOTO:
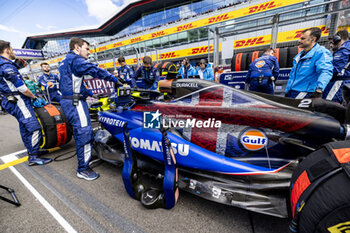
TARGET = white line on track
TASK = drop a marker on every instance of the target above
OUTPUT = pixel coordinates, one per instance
(41, 199)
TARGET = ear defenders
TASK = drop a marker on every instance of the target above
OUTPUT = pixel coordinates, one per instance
(336, 39)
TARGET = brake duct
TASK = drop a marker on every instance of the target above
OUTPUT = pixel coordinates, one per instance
(151, 197)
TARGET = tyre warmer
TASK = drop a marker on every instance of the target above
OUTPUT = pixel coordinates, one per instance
(150, 197)
(54, 127)
(307, 182)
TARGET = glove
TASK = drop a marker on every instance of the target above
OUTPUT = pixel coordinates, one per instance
(39, 102)
(50, 84)
(316, 94)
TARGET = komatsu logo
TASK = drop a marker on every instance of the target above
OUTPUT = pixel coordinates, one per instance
(253, 139)
(152, 145)
(111, 121)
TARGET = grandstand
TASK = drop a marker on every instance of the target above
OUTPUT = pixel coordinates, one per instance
(222, 31)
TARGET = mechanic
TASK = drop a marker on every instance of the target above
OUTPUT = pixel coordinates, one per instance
(124, 71)
(73, 102)
(341, 46)
(50, 82)
(18, 100)
(146, 76)
(312, 67)
(263, 72)
(187, 70)
(205, 71)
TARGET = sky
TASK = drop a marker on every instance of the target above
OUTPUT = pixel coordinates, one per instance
(22, 18)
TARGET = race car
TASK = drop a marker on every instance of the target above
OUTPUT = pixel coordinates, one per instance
(227, 145)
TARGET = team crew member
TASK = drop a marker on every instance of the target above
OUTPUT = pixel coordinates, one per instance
(312, 67)
(262, 73)
(73, 102)
(341, 46)
(186, 70)
(124, 71)
(17, 102)
(218, 73)
(30, 84)
(50, 81)
(205, 71)
(146, 76)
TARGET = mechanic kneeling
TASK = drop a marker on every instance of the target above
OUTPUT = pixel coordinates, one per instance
(73, 102)
(146, 76)
(18, 102)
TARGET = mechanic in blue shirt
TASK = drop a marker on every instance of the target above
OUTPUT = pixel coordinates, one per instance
(146, 76)
(18, 102)
(73, 102)
(124, 71)
(341, 46)
(187, 70)
(205, 71)
(263, 72)
(312, 67)
(50, 82)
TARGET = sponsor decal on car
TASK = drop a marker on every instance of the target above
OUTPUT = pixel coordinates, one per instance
(253, 139)
(153, 145)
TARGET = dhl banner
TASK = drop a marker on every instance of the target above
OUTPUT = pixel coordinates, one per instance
(281, 37)
(168, 55)
(203, 22)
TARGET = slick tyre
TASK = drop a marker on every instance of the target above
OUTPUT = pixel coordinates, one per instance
(327, 208)
(292, 52)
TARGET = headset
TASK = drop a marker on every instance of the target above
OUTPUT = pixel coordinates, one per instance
(336, 39)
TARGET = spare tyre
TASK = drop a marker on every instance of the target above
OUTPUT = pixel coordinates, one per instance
(55, 129)
(292, 52)
(320, 191)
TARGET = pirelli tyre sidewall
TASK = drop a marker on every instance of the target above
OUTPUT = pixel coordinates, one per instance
(327, 209)
(55, 128)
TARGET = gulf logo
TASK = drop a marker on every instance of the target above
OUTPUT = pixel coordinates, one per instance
(253, 139)
(259, 64)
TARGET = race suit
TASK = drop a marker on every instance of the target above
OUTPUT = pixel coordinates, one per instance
(146, 79)
(73, 102)
(10, 84)
(53, 91)
(126, 73)
(260, 74)
(311, 71)
(341, 76)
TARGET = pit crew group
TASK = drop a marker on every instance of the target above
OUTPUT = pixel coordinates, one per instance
(315, 74)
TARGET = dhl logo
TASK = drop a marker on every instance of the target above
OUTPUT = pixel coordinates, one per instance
(218, 18)
(261, 7)
(184, 27)
(157, 34)
(203, 49)
(167, 55)
(250, 42)
(137, 39)
(323, 29)
(117, 44)
(102, 48)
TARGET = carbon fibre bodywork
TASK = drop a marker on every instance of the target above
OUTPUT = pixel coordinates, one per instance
(243, 152)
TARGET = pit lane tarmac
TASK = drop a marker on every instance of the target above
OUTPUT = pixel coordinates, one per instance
(53, 199)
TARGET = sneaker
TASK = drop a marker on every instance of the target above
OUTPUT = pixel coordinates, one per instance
(88, 174)
(38, 161)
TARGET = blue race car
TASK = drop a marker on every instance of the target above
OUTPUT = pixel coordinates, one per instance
(227, 145)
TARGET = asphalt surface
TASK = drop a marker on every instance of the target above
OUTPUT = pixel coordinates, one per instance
(103, 205)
